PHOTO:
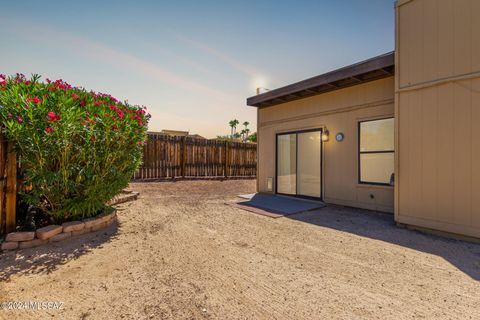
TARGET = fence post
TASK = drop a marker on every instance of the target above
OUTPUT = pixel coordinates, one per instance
(11, 197)
(226, 159)
(3, 160)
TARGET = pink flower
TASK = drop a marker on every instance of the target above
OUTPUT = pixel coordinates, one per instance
(48, 129)
(35, 100)
(19, 119)
(74, 96)
(52, 116)
(2, 81)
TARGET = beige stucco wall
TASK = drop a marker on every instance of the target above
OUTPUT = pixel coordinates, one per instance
(438, 115)
(338, 111)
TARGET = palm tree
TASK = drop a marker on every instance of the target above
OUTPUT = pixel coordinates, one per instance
(233, 125)
(236, 123)
(243, 133)
(247, 131)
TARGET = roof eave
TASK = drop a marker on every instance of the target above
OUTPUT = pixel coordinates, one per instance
(358, 73)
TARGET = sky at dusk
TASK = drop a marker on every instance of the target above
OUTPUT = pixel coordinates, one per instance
(192, 63)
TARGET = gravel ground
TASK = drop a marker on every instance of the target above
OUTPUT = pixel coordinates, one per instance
(180, 253)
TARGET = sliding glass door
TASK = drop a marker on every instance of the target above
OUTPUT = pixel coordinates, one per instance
(286, 164)
(308, 164)
(299, 156)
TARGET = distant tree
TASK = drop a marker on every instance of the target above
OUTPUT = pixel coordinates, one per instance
(233, 126)
(231, 123)
(245, 131)
(225, 138)
(243, 134)
(236, 136)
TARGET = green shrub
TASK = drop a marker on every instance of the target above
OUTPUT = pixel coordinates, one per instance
(77, 148)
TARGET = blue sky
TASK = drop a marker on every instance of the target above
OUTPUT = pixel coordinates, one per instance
(192, 63)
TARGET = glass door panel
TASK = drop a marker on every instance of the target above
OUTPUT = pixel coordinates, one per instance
(286, 163)
(299, 157)
(309, 164)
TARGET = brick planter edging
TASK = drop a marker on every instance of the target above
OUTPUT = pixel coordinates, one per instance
(125, 196)
(55, 233)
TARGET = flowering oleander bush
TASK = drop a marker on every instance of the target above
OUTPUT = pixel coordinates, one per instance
(77, 148)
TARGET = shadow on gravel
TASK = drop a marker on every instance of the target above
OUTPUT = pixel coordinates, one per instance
(380, 226)
(46, 258)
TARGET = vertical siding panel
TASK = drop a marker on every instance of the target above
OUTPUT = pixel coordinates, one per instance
(430, 40)
(403, 181)
(404, 58)
(411, 60)
(445, 153)
(475, 35)
(462, 36)
(475, 107)
(428, 152)
(462, 152)
(417, 39)
(415, 133)
(446, 36)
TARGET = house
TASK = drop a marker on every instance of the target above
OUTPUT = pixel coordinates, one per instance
(179, 133)
(174, 133)
(398, 133)
(196, 136)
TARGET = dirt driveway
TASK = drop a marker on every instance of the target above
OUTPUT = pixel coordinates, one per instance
(181, 253)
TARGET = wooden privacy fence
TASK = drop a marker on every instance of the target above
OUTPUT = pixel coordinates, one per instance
(180, 157)
(8, 187)
(163, 157)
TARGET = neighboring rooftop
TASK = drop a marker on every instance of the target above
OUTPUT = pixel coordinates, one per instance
(177, 133)
(372, 69)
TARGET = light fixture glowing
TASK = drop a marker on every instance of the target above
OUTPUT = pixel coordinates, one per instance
(325, 135)
(261, 90)
(259, 82)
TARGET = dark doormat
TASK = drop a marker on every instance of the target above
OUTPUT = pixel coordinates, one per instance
(275, 206)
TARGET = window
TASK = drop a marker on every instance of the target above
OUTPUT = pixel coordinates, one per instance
(376, 151)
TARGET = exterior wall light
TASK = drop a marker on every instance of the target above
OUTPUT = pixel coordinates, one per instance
(325, 135)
